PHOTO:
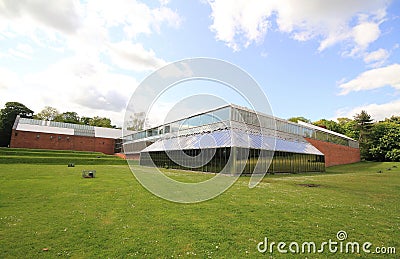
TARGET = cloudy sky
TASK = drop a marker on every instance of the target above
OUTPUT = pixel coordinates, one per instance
(313, 58)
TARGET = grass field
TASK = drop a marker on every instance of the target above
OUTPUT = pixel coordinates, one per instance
(48, 206)
(36, 156)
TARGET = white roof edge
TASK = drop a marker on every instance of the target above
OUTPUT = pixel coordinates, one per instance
(101, 132)
(324, 130)
(44, 129)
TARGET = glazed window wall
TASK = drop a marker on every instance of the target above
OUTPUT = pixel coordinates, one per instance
(282, 162)
(211, 117)
(251, 118)
(296, 163)
(247, 161)
(248, 117)
(180, 160)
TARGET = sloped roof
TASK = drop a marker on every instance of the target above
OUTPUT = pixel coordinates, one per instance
(231, 138)
(323, 130)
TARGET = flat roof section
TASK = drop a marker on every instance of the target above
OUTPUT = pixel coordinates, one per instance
(44, 129)
(100, 132)
(24, 124)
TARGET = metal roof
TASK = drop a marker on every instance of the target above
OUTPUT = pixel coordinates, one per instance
(231, 138)
(107, 133)
(44, 129)
(32, 125)
(323, 130)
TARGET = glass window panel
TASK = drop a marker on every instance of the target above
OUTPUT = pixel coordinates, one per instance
(222, 114)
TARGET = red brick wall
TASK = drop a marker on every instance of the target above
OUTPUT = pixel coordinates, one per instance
(26, 139)
(132, 156)
(336, 154)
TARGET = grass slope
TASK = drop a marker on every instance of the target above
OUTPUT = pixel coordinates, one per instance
(51, 206)
(38, 156)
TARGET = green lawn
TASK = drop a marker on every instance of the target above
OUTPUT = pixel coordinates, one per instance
(50, 206)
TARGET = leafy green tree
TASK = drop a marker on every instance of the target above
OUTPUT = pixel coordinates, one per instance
(7, 118)
(85, 120)
(349, 127)
(296, 119)
(68, 117)
(394, 119)
(330, 125)
(48, 113)
(384, 142)
(393, 155)
(363, 125)
(100, 122)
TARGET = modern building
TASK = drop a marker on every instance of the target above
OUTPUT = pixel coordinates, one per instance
(230, 138)
(236, 139)
(40, 134)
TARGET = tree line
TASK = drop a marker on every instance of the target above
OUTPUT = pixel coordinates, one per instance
(12, 109)
(379, 141)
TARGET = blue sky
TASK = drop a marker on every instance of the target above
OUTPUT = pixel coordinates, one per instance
(317, 59)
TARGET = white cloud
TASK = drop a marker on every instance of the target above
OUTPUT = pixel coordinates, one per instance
(373, 79)
(86, 82)
(377, 111)
(85, 28)
(61, 15)
(133, 17)
(365, 33)
(240, 23)
(8, 79)
(79, 36)
(21, 51)
(376, 58)
(131, 56)
(86, 86)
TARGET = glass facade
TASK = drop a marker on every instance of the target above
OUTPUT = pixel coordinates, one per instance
(272, 123)
(177, 159)
(247, 117)
(248, 161)
(208, 118)
(294, 153)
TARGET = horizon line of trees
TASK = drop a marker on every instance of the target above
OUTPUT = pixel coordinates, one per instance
(12, 109)
(379, 141)
(52, 114)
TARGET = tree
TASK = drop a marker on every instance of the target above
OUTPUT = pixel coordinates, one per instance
(101, 122)
(393, 155)
(349, 127)
(85, 120)
(136, 122)
(296, 119)
(363, 125)
(7, 119)
(384, 142)
(48, 114)
(68, 117)
(330, 125)
(394, 119)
